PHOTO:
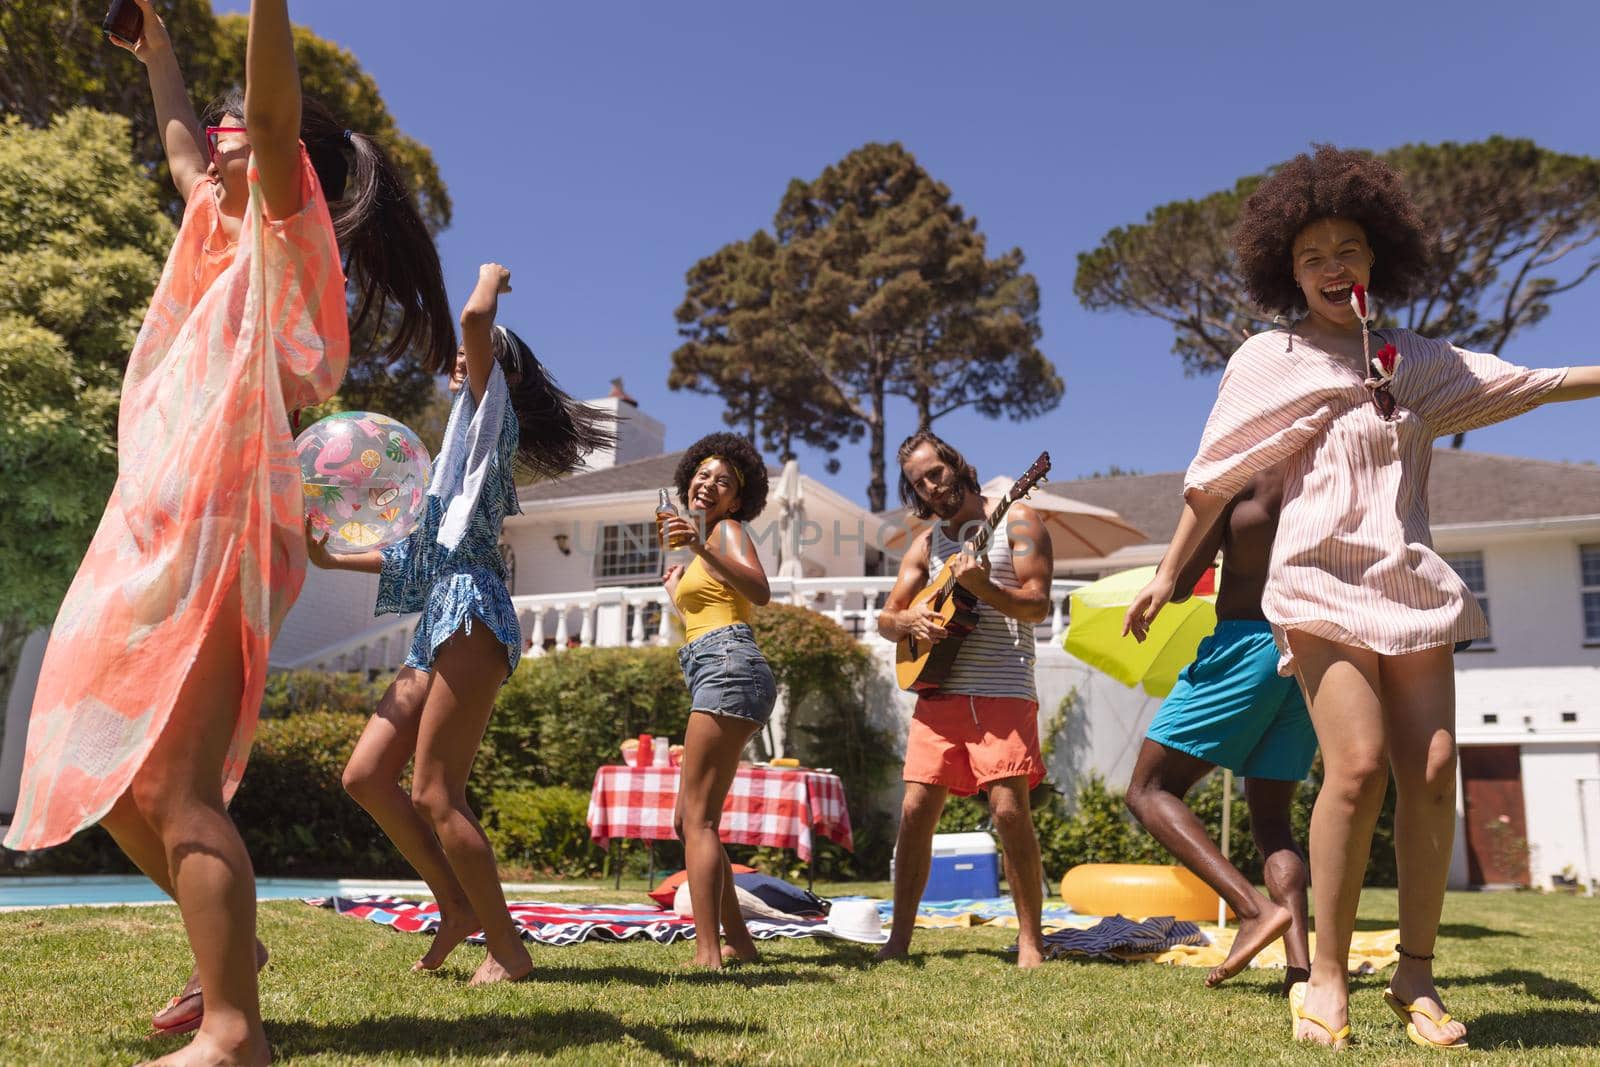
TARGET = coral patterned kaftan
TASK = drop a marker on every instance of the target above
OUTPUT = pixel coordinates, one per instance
(207, 503)
(1353, 559)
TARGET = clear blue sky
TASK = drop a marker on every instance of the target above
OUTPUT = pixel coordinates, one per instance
(599, 149)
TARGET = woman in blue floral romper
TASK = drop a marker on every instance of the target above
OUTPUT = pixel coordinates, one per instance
(507, 414)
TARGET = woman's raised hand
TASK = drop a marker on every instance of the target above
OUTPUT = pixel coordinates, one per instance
(153, 40)
(500, 276)
(683, 531)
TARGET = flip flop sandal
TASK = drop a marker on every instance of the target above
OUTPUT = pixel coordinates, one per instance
(1405, 1011)
(184, 1025)
(1338, 1039)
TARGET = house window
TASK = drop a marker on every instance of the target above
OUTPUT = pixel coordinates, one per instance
(628, 551)
(1590, 558)
(1469, 567)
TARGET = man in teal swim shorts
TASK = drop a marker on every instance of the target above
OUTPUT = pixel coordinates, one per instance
(1232, 709)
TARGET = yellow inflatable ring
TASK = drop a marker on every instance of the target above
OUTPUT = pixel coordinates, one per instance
(1139, 891)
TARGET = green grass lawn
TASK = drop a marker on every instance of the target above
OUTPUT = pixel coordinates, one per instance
(78, 986)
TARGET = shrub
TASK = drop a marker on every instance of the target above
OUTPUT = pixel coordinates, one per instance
(823, 673)
(347, 691)
(561, 716)
(292, 810)
(544, 828)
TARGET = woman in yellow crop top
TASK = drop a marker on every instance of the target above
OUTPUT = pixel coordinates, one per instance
(731, 689)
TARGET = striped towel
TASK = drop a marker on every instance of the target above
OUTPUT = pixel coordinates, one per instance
(1118, 938)
(999, 912)
(560, 924)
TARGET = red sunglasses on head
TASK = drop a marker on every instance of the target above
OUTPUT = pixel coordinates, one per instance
(213, 132)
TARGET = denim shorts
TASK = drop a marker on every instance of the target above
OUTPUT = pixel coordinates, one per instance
(727, 674)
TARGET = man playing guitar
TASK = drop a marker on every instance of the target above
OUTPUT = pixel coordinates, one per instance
(980, 729)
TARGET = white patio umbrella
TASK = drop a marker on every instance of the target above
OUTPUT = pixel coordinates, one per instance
(791, 515)
(1077, 529)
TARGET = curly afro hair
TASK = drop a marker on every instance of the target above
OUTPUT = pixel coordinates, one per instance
(1338, 182)
(737, 450)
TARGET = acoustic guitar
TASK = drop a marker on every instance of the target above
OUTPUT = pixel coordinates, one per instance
(921, 665)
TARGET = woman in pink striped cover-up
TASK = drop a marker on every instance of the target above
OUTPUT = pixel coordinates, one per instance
(1364, 611)
(149, 691)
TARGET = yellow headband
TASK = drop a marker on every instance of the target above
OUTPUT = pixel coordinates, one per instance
(738, 475)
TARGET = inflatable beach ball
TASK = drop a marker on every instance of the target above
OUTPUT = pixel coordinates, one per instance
(364, 477)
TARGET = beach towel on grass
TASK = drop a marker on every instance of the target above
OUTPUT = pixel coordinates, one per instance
(1117, 938)
(559, 924)
(1370, 951)
(983, 911)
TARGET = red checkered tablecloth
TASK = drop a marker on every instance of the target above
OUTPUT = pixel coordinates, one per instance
(766, 806)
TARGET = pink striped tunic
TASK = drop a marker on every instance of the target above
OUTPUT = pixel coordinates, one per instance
(1353, 561)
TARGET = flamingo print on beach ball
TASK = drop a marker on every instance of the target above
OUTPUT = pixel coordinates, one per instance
(364, 476)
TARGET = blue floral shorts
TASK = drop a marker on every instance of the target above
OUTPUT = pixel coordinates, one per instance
(454, 602)
(727, 674)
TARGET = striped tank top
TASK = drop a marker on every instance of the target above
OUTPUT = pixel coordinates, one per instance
(996, 659)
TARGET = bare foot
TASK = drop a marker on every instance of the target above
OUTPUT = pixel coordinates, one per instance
(1253, 936)
(492, 970)
(454, 928)
(1292, 977)
(208, 1051)
(698, 963)
(1332, 1006)
(709, 957)
(186, 1011)
(1029, 956)
(1417, 989)
(892, 950)
(739, 945)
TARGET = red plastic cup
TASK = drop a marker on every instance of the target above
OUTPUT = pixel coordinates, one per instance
(647, 747)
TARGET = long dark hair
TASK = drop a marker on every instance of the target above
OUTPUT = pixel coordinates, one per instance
(966, 473)
(554, 431)
(389, 254)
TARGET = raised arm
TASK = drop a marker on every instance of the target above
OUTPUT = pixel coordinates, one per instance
(477, 324)
(1200, 513)
(272, 105)
(181, 135)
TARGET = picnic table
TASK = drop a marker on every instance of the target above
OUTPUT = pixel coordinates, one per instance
(772, 806)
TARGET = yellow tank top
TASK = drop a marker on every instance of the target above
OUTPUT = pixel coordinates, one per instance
(707, 602)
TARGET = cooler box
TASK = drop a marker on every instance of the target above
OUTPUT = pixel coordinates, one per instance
(964, 866)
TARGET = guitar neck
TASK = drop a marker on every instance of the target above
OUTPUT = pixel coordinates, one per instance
(980, 543)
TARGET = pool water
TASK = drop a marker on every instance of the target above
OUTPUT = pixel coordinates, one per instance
(102, 890)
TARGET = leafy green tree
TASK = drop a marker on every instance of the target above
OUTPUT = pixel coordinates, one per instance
(1515, 225)
(52, 57)
(82, 243)
(734, 349)
(875, 284)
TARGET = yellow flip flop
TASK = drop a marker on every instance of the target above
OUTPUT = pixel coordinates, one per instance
(1338, 1039)
(1405, 1011)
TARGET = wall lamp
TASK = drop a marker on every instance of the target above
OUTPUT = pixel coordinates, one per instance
(561, 543)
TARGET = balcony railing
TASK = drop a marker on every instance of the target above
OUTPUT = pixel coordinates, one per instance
(639, 615)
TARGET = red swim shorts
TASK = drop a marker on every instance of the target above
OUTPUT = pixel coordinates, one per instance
(965, 742)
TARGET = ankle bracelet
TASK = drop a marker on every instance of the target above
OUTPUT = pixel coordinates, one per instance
(1401, 949)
